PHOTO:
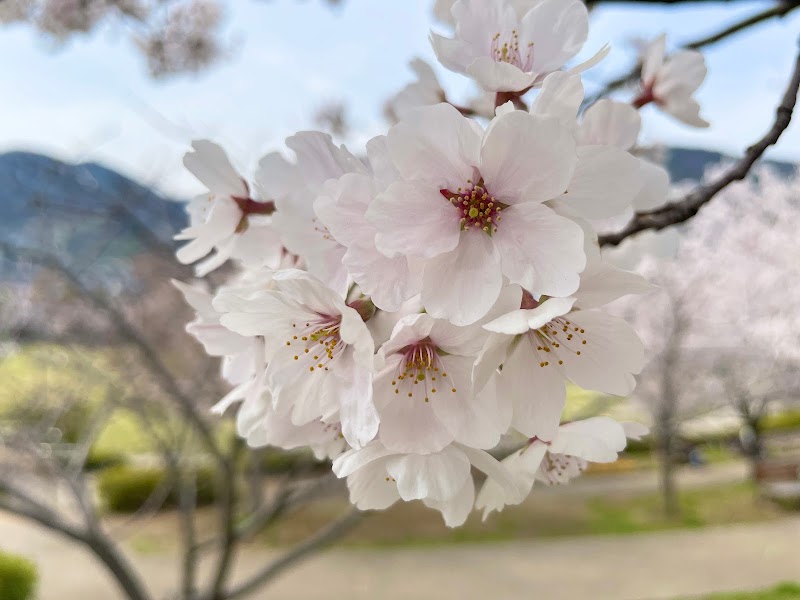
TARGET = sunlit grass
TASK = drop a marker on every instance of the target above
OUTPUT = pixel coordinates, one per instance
(782, 591)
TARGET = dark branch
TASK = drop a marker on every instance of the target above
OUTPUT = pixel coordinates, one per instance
(316, 542)
(684, 209)
(781, 9)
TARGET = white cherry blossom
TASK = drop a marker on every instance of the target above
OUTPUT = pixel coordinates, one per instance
(543, 344)
(319, 349)
(294, 186)
(471, 204)
(567, 455)
(504, 51)
(670, 81)
(226, 219)
(378, 477)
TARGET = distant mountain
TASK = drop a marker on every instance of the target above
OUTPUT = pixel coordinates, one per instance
(73, 210)
(691, 164)
(88, 214)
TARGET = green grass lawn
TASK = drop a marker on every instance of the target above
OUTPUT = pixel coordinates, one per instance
(542, 515)
(782, 591)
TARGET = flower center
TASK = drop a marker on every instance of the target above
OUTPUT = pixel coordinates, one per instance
(477, 206)
(421, 371)
(505, 48)
(316, 343)
(558, 337)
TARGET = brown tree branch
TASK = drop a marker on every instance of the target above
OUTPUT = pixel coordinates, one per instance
(684, 209)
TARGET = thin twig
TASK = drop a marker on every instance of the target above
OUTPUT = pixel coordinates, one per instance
(316, 542)
(684, 209)
(781, 9)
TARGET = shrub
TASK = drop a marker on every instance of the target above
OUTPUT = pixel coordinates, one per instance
(275, 461)
(18, 577)
(127, 489)
(100, 459)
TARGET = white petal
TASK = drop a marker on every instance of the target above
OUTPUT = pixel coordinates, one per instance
(597, 439)
(436, 145)
(541, 251)
(353, 460)
(602, 283)
(462, 285)
(558, 30)
(653, 58)
(634, 431)
(209, 163)
(611, 354)
(476, 420)
(655, 186)
(371, 489)
(438, 476)
(414, 219)
(527, 158)
(358, 415)
(610, 123)
(538, 394)
(686, 110)
(560, 97)
(605, 182)
(456, 510)
(499, 76)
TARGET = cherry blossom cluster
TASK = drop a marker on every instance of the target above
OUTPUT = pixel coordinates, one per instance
(415, 311)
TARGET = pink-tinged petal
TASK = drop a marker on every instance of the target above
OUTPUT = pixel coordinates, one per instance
(604, 183)
(560, 97)
(557, 29)
(597, 439)
(611, 354)
(258, 245)
(216, 339)
(527, 158)
(408, 330)
(499, 76)
(209, 163)
(537, 393)
(308, 291)
(435, 145)
(455, 510)
(493, 497)
(413, 219)
(342, 208)
(438, 476)
(610, 123)
(463, 285)
(541, 250)
(387, 281)
(216, 260)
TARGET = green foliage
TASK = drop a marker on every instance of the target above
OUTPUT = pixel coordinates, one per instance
(18, 577)
(782, 591)
(100, 459)
(787, 420)
(275, 461)
(127, 488)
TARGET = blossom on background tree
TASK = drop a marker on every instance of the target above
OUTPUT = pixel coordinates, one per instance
(404, 308)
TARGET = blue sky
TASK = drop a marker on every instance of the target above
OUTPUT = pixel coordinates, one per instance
(92, 100)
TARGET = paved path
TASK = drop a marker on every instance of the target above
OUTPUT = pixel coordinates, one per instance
(638, 567)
